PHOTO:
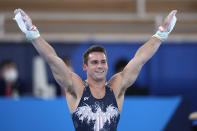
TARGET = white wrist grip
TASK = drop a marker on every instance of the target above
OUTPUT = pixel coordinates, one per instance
(30, 32)
(172, 24)
(162, 33)
(20, 22)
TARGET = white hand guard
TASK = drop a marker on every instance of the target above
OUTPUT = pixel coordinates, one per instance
(25, 24)
(163, 33)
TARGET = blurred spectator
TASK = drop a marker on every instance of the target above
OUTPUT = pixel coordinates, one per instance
(120, 64)
(10, 85)
(134, 89)
(68, 62)
(193, 118)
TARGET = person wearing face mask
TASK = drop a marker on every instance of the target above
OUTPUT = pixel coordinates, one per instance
(10, 85)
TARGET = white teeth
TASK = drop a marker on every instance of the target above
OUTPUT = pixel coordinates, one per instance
(99, 71)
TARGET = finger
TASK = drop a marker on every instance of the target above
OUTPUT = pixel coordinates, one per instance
(26, 19)
(23, 13)
(169, 18)
(172, 14)
(20, 22)
(18, 10)
(15, 11)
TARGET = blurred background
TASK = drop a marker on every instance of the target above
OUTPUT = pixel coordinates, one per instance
(162, 98)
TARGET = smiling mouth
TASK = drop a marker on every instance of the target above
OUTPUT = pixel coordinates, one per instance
(99, 71)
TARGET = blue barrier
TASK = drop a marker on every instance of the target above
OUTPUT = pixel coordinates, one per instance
(30, 114)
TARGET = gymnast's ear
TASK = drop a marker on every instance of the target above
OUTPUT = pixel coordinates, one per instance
(84, 67)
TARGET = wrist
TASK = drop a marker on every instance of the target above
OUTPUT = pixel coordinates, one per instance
(158, 38)
(26, 26)
(32, 34)
(161, 34)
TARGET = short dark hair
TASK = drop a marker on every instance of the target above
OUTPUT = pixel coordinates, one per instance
(94, 48)
(6, 62)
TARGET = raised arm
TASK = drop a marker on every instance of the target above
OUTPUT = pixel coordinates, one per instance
(60, 71)
(129, 74)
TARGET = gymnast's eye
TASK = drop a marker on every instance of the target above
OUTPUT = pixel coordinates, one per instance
(103, 62)
(94, 62)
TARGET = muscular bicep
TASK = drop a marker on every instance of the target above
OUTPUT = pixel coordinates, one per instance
(60, 72)
(65, 78)
(124, 79)
(131, 72)
(143, 54)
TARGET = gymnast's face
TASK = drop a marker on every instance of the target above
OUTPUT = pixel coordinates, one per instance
(96, 66)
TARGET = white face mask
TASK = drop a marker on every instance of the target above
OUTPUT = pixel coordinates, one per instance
(11, 75)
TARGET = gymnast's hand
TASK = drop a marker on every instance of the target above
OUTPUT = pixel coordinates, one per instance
(167, 26)
(25, 24)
